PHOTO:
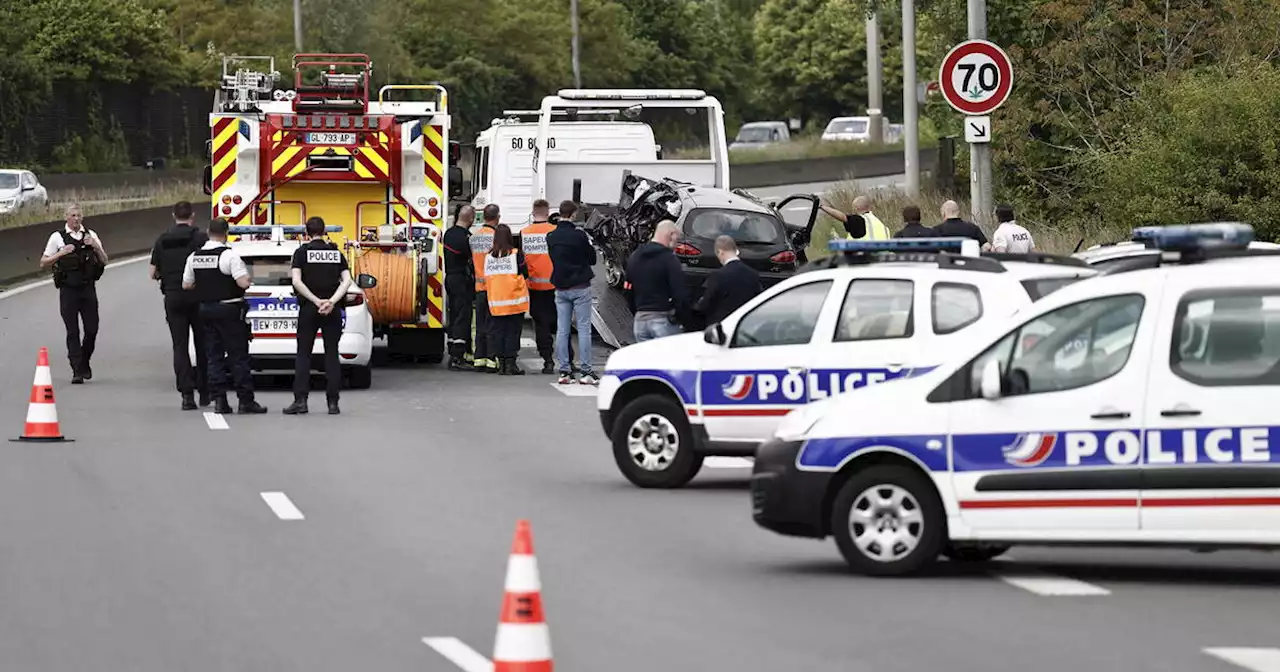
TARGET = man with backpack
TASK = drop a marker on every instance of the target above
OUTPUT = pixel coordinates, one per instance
(78, 261)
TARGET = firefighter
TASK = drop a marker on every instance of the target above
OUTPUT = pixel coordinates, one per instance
(507, 292)
(181, 310)
(322, 277)
(78, 262)
(542, 294)
(219, 277)
(481, 243)
(459, 287)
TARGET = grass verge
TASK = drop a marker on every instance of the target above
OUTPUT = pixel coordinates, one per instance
(106, 201)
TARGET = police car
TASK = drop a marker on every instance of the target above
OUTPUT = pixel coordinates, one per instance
(873, 312)
(1130, 252)
(1141, 414)
(273, 308)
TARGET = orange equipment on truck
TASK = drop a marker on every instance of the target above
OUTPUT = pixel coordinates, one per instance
(381, 169)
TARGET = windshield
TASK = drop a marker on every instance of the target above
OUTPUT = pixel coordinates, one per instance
(1038, 288)
(757, 134)
(746, 228)
(848, 126)
(270, 271)
(8, 181)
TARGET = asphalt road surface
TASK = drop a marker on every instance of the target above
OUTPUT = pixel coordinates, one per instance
(157, 543)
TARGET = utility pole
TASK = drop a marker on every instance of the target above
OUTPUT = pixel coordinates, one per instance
(577, 65)
(910, 109)
(297, 25)
(875, 102)
(979, 153)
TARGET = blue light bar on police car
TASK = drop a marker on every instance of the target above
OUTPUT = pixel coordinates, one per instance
(952, 244)
(1228, 235)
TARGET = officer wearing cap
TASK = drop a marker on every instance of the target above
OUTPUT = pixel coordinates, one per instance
(219, 277)
(321, 277)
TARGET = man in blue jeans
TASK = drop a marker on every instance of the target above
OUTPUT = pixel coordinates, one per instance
(572, 257)
(659, 296)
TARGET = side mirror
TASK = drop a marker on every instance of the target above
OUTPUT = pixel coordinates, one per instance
(991, 381)
(366, 281)
(455, 152)
(28, 187)
(208, 180)
(714, 334)
(456, 185)
(208, 150)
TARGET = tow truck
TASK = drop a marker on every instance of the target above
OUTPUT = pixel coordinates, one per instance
(382, 170)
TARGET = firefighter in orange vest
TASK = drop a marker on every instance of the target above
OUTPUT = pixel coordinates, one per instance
(505, 271)
(542, 294)
(481, 242)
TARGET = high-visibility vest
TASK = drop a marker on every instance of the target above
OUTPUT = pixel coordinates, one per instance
(508, 294)
(876, 230)
(481, 243)
(533, 242)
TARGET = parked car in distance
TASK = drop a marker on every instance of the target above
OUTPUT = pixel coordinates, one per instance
(758, 134)
(20, 189)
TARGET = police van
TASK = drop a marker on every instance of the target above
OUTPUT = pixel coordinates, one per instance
(875, 311)
(1141, 413)
(273, 308)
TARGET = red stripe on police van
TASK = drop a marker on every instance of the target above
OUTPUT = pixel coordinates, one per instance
(742, 412)
(1212, 501)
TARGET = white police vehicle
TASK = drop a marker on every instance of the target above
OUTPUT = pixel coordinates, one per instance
(1142, 414)
(1141, 249)
(873, 312)
(273, 308)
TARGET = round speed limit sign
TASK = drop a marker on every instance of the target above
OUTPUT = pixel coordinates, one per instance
(976, 77)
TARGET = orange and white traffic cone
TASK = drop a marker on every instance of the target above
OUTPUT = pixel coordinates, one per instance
(523, 643)
(42, 412)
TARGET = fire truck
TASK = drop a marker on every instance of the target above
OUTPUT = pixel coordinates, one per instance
(383, 170)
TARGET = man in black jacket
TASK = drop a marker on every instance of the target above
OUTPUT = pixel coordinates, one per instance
(728, 287)
(953, 226)
(659, 296)
(181, 309)
(912, 228)
(572, 257)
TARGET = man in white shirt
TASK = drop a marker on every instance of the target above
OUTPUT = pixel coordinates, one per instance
(78, 261)
(1009, 236)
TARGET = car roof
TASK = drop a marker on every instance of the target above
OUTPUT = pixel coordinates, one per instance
(1014, 270)
(1129, 248)
(708, 197)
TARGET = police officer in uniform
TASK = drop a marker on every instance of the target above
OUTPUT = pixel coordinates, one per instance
(78, 262)
(486, 360)
(219, 277)
(459, 287)
(181, 309)
(321, 277)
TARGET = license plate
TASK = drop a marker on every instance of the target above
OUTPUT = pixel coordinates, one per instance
(331, 138)
(276, 325)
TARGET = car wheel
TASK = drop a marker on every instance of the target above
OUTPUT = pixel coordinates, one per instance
(360, 377)
(962, 552)
(888, 521)
(653, 443)
(613, 274)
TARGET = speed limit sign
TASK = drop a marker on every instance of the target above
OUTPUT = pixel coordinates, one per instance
(976, 77)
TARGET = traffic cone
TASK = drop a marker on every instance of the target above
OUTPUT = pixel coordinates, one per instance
(523, 643)
(42, 412)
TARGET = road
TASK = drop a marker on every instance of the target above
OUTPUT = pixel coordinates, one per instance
(148, 544)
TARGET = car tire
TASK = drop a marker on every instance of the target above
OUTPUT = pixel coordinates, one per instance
(659, 426)
(360, 377)
(914, 508)
(968, 552)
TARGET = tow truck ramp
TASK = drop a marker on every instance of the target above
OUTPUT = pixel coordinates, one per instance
(609, 312)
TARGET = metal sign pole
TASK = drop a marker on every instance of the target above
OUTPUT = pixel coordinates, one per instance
(875, 102)
(910, 111)
(979, 153)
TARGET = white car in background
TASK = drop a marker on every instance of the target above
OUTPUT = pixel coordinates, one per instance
(20, 189)
(273, 310)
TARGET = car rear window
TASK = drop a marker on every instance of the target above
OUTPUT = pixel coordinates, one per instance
(744, 226)
(270, 271)
(1038, 288)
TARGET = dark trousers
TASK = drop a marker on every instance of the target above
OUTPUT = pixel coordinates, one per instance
(182, 312)
(330, 326)
(485, 348)
(226, 337)
(460, 295)
(542, 308)
(504, 334)
(77, 304)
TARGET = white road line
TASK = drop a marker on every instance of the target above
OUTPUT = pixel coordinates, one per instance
(528, 343)
(215, 420)
(459, 654)
(44, 283)
(718, 462)
(1254, 659)
(576, 390)
(280, 504)
(1048, 584)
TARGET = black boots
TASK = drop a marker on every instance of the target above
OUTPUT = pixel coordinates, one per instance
(509, 367)
(251, 407)
(189, 401)
(548, 367)
(299, 407)
(333, 407)
(220, 405)
(223, 407)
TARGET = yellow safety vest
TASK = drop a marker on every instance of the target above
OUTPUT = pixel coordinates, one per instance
(876, 230)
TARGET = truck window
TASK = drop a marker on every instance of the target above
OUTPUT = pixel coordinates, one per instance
(484, 168)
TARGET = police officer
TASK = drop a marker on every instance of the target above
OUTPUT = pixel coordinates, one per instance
(459, 287)
(321, 276)
(219, 277)
(181, 310)
(78, 261)
(481, 243)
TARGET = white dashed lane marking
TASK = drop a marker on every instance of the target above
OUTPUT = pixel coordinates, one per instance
(215, 420)
(458, 653)
(1254, 659)
(576, 390)
(717, 462)
(1048, 585)
(282, 506)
